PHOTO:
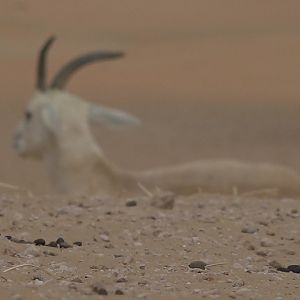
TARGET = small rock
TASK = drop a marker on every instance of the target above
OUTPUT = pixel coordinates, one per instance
(294, 268)
(77, 243)
(38, 282)
(65, 245)
(38, 277)
(249, 229)
(119, 292)
(60, 241)
(99, 289)
(52, 244)
(238, 283)
(104, 237)
(266, 242)
(262, 253)
(197, 264)
(282, 269)
(270, 233)
(39, 242)
(131, 203)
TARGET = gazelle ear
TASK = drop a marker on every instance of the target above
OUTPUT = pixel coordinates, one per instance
(101, 115)
(50, 118)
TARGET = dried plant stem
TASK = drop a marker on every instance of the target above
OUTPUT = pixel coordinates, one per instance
(216, 264)
(145, 190)
(9, 186)
(19, 266)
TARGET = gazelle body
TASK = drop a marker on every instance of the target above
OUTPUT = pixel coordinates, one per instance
(56, 129)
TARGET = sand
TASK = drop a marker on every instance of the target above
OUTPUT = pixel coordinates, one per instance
(208, 79)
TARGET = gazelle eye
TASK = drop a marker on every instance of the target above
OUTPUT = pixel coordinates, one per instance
(28, 115)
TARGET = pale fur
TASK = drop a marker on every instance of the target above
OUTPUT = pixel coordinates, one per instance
(59, 133)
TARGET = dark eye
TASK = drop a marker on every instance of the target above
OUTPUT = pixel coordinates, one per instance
(28, 115)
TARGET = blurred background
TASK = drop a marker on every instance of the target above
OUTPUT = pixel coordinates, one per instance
(207, 78)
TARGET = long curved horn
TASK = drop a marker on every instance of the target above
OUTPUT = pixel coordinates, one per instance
(61, 78)
(41, 65)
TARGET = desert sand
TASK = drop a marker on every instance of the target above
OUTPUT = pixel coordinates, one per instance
(208, 79)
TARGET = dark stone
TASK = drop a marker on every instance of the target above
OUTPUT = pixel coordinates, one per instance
(119, 292)
(39, 242)
(9, 237)
(78, 243)
(249, 229)
(52, 244)
(282, 269)
(60, 241)
(294, 268)
(131, 203)
(64, 245)
(198, 264)
(99, 289)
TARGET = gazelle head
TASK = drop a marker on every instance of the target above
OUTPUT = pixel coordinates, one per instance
(53, 112)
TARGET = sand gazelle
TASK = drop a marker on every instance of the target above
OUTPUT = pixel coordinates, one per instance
(56, 129)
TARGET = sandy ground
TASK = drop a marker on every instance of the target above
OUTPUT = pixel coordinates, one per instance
(208, 79)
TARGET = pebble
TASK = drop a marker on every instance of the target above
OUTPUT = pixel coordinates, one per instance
(104, 237)
(52, 244)
(38, 282)
(294, 268)
(238, 283)
(197, 264)
(77, 243)
(62, 243)
(60, 240)
(119, 292)
(249, 229)
(291, 268)
(131, 203)
(65, 245)
(39, 242)
(262, 253)
(99, 289)
(266, 242)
